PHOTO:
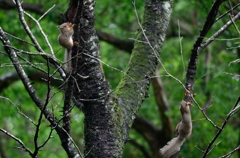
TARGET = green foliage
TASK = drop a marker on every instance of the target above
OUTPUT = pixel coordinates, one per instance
(118, 18)
(114, 63)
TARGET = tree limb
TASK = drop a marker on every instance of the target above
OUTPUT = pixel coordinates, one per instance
(33, 7)
(151, 134)
(19, 141)
(12, 77)
(34, 40)
(163, 106)
(126, 45)
(140, 147)
(233, 110)
(192, 65)
(32, 93)
(219, 32)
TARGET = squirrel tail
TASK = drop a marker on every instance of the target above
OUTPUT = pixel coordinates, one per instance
(172, 147)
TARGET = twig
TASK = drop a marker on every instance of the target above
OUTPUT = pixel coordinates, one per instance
(88, 152)
(193, 62)
(233, 21)
(38, 68)
(231, 152)
(219, 32)
(199, 149)
(221, 129)
(180, 44)
(32, 93)
(19, 111)
(37, 148)
(32, 65)
(46, 12)
(19, 39)
(227, 12)
(33, 39)
(205, 115)
(42, 32)
(215, 146)
(48, 138)
(154, 51)
(110, 66)
(17, 140)
(140, 147)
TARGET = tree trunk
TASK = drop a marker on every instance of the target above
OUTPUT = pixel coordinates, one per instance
(109, 115)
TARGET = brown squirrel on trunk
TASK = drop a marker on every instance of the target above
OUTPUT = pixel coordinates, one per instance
(184, 129)
(66, 41)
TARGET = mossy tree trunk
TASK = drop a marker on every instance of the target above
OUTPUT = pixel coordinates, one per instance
(109, 114)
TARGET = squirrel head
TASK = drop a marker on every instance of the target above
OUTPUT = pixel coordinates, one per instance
(66, 28)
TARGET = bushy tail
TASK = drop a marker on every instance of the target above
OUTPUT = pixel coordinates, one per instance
(184, 129)
(172, 147)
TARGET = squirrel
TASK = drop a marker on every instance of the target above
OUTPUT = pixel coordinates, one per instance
(184, 129)
(66, 41)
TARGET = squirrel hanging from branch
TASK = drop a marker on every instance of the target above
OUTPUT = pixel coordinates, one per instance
(184, 129)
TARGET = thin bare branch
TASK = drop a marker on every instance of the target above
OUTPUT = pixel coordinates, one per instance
(19, 39)
(154, 51)
(140, 147)
(219, 32)
(111, 67)
(231, 152)
(42, 32)
(19, 111)
(233, 21)
(37, 148)
(24, 148)
(33, 39)
(46, 12)
(208, 149)
(230, 10)
(74, 152)
(193, 62)
(180, 44)
(205, 115)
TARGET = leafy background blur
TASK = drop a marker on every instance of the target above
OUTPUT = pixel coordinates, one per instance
(118, 18)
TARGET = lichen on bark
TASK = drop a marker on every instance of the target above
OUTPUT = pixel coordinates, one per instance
(109, 115)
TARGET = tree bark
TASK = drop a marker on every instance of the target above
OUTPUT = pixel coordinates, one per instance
(109, 115)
